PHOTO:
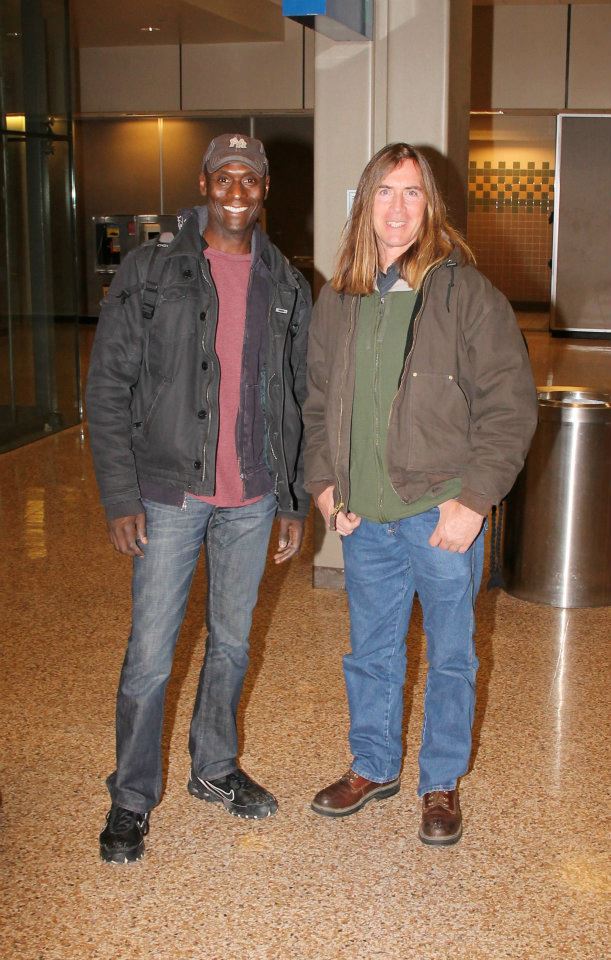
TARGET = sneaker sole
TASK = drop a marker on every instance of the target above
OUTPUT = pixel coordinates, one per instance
(262, 812)
(440, 841)
(382, 794)
(128, 856)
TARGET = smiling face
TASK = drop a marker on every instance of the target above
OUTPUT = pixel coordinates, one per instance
(398, 211)
(235, 195)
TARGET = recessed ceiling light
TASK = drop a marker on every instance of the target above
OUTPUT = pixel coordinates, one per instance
(14, 35)
(150, 29)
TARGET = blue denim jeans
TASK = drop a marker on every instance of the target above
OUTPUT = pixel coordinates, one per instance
(236, 542)
(385, 564)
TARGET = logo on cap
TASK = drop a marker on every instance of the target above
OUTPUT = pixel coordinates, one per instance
(238, 142)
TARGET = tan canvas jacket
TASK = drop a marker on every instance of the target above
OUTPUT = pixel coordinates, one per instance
(465, 406)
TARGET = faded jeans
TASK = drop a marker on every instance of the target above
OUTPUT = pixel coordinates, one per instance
(236, 542)
(385, 564)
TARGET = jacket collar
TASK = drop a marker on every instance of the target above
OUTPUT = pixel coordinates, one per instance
(188, 242)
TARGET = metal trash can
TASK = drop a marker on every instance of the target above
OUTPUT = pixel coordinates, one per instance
(557, 536)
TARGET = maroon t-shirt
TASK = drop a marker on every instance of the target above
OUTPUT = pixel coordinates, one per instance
(231, 273)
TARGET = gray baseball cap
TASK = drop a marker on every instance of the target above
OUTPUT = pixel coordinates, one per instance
(238, 147)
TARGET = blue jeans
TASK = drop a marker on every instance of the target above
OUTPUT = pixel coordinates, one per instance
(236, 546)
(385, 564)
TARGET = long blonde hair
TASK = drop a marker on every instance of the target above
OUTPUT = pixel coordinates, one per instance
(357, 259)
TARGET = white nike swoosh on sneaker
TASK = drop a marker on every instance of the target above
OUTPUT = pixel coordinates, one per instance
(229, 795)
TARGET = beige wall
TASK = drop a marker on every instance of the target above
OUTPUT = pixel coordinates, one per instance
(590, 63)
(343, 118)
(520, 57)
(129, 79)
(256, 76)
(162, 79)
(521, 61)
(309, 70)
(117, 165)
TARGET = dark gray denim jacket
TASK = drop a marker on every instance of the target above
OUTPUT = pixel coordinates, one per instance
(153, 386)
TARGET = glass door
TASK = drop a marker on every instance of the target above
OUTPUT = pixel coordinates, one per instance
(39, 388)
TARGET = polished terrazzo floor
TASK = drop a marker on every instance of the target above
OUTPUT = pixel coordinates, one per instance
(530, 879)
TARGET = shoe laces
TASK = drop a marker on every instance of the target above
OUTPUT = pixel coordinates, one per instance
(237, 779)
(122, 820)
(438, 798)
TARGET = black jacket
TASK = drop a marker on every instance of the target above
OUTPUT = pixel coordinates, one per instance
(152, 391)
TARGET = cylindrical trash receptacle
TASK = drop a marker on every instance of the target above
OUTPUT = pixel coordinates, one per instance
(557, 536)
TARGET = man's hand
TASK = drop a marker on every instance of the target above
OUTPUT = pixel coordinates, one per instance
(124, 531)
(345, 523)
(457, 528)
(289, 539)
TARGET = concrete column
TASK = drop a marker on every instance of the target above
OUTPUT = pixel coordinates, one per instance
(411, 83)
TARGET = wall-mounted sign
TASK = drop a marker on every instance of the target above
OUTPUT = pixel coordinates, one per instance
(338, 19)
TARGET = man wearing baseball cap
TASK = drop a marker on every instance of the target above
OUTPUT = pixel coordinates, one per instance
(195, 387)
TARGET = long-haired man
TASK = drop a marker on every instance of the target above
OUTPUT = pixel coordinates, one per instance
(420, 411)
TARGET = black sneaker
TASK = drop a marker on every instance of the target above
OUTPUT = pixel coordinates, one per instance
(238, 794)
(122, 839)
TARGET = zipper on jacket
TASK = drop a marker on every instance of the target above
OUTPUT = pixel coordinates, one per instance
(281, 461)
(238, 424)
(376, 412)
(340, 499)
(267, 417)
(283, 390)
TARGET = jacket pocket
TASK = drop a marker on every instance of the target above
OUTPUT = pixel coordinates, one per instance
(176, 312)
(253, 428)
(141, 424)
(440, 422)
(179, 291)
(173, 326)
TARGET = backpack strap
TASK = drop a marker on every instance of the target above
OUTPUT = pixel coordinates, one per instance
(150, 290)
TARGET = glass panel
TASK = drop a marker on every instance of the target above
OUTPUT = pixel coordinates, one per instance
(11, 56)
(39, 390)
(36, 86)
(38, 330)
(58, 63)
(511, 201)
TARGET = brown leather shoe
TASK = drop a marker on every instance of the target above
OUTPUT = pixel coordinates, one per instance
(350, 793)
(441, 823)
